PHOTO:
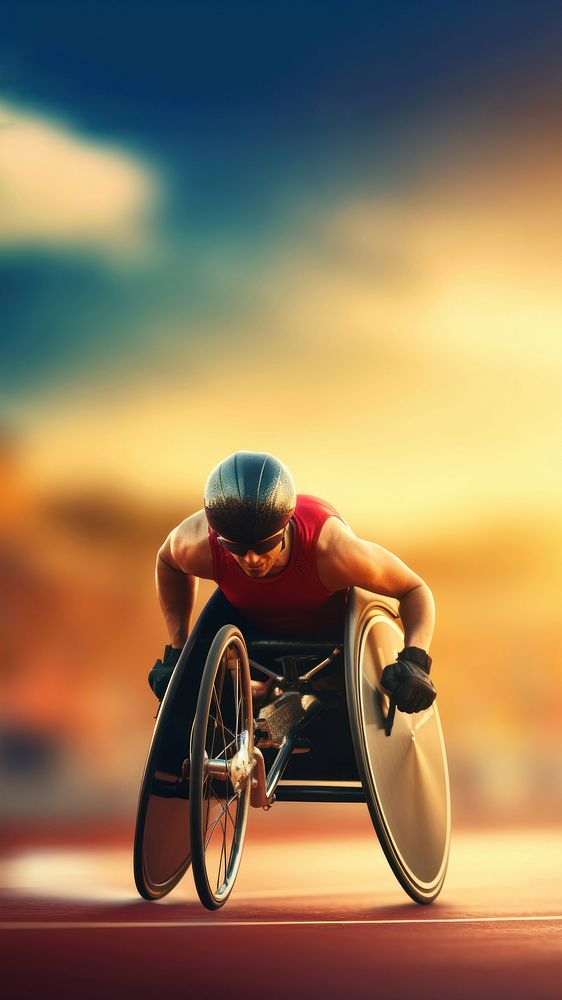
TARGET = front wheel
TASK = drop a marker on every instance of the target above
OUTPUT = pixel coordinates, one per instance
(220, 767)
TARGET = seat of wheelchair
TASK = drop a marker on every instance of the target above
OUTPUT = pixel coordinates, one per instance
(324, 767)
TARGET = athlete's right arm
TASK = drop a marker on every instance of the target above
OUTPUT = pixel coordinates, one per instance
(184, 557)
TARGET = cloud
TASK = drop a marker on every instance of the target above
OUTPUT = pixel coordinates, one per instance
(60, 189)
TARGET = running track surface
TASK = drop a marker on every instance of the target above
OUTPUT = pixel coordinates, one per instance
(315, 912)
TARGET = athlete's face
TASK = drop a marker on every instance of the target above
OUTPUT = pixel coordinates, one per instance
(257, 565)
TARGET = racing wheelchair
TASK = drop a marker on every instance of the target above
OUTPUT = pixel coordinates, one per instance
(283, 720)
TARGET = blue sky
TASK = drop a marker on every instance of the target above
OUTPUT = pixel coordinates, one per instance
(281, 226)
(250, 117)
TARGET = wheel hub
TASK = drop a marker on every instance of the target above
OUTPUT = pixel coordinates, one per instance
(238, 769)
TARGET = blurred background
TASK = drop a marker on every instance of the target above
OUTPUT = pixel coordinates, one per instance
(330, 231)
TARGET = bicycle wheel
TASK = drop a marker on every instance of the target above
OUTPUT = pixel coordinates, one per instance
(221, 761)
(404, 775)
(162, 850)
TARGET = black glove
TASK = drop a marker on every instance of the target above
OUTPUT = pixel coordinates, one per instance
(407, 681)
(159, 675)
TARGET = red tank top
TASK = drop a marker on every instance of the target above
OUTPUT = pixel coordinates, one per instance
(293, 603)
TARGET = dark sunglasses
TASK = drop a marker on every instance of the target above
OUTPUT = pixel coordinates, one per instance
(260, 548)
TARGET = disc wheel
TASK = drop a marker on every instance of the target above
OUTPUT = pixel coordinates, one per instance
(221, 761)
(405, 776)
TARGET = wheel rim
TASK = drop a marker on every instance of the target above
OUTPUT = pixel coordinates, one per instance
(221, 756)
(404, 775)
(162, 851)
(408, 772)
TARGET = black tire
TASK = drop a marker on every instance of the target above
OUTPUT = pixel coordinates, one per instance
(222, 734)
(404, 776)
(162, 852)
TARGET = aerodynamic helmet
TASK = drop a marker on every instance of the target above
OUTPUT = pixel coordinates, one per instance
(249, 496)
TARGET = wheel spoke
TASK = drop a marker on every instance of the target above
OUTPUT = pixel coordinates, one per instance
(217, 726)
(228, 745)
(208, 805)
(228, 813)
(221, 720)
(217, 695)
(223, 809)
(212, 828)
(216, 723)
(222, 854)
(236, 701)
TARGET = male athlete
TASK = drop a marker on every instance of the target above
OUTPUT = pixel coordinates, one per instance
(283, 564)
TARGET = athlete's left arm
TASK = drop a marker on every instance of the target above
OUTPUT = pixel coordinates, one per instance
(343, 560)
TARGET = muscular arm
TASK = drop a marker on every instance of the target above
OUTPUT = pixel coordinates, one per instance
(177, 592)
(417, 611)
(343, 560)
(184, 557)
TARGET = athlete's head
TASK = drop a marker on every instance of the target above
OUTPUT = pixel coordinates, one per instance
(249, 499)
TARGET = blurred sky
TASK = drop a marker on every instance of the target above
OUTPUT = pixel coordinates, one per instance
(326, 230)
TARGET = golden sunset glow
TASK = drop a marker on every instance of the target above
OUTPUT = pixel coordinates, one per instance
(418, 338)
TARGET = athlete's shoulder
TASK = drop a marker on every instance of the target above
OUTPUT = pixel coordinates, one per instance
(307, 503)
(319, 522)
(188, 545)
